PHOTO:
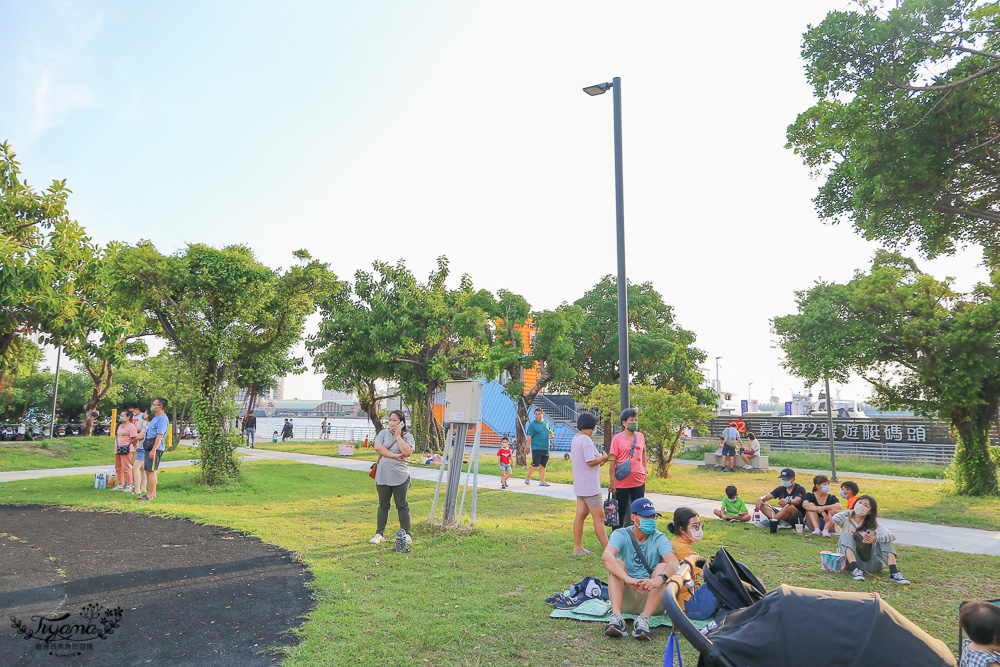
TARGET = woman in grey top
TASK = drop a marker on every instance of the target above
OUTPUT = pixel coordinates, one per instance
(392, 476)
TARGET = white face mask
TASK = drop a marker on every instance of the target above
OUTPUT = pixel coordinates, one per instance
(861, 509)
(697, 534)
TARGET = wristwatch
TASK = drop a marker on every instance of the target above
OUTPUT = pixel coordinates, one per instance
(665, 577)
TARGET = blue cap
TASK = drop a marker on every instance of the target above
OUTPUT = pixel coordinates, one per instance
(643, 507)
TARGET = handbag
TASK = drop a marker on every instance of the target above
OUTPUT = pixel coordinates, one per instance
(831, 561)
(622, 470)
(122, 450)
(371, 473)
(149, 443)
(611, 511)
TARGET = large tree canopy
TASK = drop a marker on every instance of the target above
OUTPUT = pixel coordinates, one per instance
(906, 130)
(229, 316)
(921, 345)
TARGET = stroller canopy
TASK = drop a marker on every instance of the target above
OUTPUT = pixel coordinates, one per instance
(789, 625)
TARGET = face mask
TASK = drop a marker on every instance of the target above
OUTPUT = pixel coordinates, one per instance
(861, 509)
(786, 483)
(842, 494)
(632, 426)
(825, 488)
(696, 534)
(647, 526)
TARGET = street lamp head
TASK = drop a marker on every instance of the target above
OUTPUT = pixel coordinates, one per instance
(598, 89)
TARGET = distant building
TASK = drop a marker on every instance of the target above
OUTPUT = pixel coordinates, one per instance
(334, 395)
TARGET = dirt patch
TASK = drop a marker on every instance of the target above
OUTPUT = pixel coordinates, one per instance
(188, 594)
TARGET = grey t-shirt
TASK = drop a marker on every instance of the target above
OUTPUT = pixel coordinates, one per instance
(392, 472)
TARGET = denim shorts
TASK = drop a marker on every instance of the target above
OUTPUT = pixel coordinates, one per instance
(140, 453)
(728, 450)
(505, 467)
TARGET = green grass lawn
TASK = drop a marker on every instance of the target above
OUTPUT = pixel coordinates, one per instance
(70, 452)
(930, 502)
(476, 597)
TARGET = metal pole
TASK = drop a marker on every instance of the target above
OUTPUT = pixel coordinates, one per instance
(620, 215)
(55, 394)
(475, 455)
(718, 383)
(829, 426)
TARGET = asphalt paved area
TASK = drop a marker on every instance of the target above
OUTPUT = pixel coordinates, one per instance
(189, 594)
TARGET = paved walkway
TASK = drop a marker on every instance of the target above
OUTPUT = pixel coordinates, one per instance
(909, 533)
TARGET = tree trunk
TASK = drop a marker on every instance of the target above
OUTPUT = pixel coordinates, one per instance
(521, 446)
(606, 427)
(974, 472)
(215, 452)
(665, 461)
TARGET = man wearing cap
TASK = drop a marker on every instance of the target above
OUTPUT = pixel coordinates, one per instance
(789, 496)
(632, 588)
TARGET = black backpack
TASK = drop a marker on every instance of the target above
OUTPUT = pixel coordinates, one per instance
(732, 583)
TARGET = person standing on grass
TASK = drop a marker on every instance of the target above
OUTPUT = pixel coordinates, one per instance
(540, 436)
(154, 444)
(732, 438)
(250, 428)
(504, 455)
(125, 439)
(867, 546)
(820, 506)
(629, 445)
(632, 589)
(392, 474)
(139, 419)
(587, 464)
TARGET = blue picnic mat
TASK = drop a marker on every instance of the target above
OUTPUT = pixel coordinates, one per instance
(600, 611)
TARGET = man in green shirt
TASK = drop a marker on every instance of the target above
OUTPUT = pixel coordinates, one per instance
(539, 435)
(733, 507)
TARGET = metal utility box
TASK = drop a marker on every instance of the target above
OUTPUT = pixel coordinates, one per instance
(462, 402)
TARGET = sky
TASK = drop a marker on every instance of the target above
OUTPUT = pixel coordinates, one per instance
(380, 131)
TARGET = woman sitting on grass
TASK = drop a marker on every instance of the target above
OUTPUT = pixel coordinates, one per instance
(866, 545)
(820, 506)
(688, 529)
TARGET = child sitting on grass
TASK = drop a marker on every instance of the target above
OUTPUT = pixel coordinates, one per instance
(733, 507)
(981, 622)
(506, 469)
(849, 491)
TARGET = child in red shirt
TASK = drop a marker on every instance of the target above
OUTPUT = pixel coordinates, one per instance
(506, 469)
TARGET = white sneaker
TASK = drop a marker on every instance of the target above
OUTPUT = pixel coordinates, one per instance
(377, 539)
(748, 467)
(409, 539)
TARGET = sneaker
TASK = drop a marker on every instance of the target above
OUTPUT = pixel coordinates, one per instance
(640, 628)
(128, 489)
(717, 465)
(118, 488)
(615, 626)
(782, 525)
(377, 539)
(899, 579)
(409, 538)
(858, 574)
(764, 522)
(748, 467)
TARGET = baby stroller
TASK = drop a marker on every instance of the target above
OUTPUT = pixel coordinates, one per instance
(784, 627)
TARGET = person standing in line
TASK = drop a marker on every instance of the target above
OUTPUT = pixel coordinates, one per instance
(629, 445)
(392, 474)
(139, 420)
(587, 462)
(154, 444)
(125, 439)
(250, 428)
(732, 439)
(540, 436)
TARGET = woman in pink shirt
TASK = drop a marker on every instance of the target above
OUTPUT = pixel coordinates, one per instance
(125, 440)
(629, 445)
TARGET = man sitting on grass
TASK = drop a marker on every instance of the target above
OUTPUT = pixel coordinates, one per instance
(632, 588)
(789, 496)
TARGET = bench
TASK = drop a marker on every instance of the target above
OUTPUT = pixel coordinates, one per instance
(758, 462)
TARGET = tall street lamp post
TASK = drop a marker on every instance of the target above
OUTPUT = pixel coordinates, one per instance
(718, 383)
(600, 89)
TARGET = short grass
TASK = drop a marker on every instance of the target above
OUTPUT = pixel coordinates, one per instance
(69, 452)
(476, 597)
(911, 500)
(844, 463)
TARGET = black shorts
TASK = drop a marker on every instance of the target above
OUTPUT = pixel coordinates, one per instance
(152, 461)
(539, 457)
(728, 450)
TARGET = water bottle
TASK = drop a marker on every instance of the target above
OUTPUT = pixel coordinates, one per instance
(401, 542)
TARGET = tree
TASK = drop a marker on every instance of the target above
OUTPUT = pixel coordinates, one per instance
(663, 415)
(390, 327)
(661, 352)
(920, 344)
(906, 128)
(41, 250)
(226, 314)
(499, 324)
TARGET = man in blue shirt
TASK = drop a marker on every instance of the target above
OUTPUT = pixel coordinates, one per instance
(154, 444)
(732, 436)
(632, 588)
(538, 435)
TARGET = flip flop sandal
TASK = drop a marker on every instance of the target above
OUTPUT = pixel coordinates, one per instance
(585, 552)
